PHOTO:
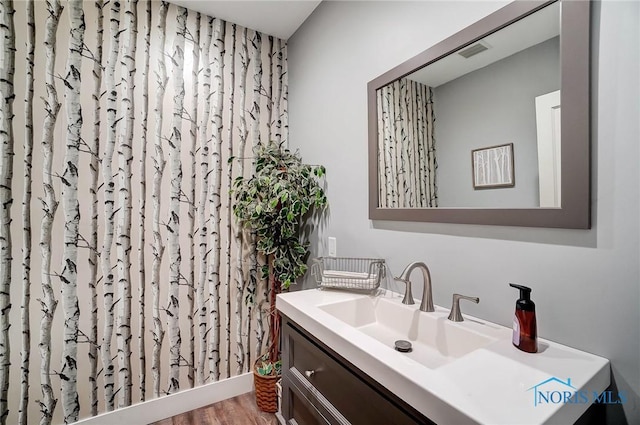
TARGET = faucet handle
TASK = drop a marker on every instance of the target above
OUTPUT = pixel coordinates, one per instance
(408, 297)
(455, 315)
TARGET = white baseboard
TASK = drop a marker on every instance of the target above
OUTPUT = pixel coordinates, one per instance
(174, 404)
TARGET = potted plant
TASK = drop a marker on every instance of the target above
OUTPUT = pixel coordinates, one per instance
(275, 203)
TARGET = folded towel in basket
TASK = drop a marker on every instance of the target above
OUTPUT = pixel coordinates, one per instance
(345, 274)
(341, 278)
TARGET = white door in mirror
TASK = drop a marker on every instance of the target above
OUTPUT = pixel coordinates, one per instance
(548, 130)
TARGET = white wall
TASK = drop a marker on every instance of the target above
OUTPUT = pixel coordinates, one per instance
(585, 283)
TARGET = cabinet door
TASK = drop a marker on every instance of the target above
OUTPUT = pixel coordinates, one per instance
(314, 370)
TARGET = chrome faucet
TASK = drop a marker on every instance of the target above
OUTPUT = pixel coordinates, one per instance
(427, 296)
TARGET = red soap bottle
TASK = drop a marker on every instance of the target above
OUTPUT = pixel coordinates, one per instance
(525, 333)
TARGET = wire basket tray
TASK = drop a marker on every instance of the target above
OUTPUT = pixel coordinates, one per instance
(348, 273)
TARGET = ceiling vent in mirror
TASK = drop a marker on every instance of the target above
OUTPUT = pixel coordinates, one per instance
(474, 50)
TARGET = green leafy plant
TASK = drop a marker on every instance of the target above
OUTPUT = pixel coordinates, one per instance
(275, 203)
(267, 368)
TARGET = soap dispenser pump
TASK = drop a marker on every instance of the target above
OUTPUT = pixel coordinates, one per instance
(525, 334)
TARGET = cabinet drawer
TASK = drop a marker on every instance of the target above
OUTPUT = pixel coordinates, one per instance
(356, 401)
(301, 410)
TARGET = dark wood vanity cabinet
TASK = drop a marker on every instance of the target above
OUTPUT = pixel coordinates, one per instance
(320, 387)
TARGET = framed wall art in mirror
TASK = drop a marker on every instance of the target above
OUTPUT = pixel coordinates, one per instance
(517, 77)
(492, 167)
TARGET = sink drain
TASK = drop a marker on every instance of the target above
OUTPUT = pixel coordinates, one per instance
(403, 346)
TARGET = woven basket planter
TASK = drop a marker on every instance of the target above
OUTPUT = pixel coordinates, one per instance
(266, 392)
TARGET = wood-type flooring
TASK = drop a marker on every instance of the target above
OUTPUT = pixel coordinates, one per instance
(240, 410)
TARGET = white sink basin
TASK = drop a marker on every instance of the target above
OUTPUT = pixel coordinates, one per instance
(467, 372)
(435, 340)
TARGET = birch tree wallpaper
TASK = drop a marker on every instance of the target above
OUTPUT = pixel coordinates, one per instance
(123, 275)
(406, 146)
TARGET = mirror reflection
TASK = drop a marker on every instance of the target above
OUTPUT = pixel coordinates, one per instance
(501, 90)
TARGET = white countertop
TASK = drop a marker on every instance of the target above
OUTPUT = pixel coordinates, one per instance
(491, 385)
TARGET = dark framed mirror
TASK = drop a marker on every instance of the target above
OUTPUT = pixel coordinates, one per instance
(489, 126)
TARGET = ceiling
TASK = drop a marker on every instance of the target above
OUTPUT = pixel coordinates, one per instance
(273, 17)
(530, 31)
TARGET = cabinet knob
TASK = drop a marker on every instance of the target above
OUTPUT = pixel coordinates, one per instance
(309, 373)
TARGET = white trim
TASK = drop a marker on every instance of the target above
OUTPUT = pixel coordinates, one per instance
(174, 404)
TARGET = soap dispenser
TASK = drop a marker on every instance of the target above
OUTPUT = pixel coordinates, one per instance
(525, 334)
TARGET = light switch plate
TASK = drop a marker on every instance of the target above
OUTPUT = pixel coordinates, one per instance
(333, 249)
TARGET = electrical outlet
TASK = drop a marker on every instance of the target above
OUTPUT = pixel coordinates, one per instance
(333, 249)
